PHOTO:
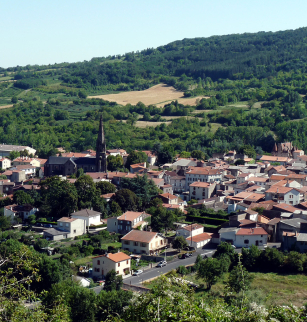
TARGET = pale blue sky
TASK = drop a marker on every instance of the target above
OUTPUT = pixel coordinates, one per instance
(54, 31)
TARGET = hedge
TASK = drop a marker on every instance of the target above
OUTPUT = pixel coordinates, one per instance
(97, 226)
(207, 220)
(46, 222)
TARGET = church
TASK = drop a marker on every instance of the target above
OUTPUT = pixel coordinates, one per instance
(66, 166)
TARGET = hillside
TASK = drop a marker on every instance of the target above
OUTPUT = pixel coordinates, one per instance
(256, 84)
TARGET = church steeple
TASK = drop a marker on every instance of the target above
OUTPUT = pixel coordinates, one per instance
(101, 157)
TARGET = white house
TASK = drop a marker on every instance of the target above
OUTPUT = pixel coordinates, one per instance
(251, 236)
(202, 175)
(199, 241)
(23, 211)
(82, 281)
(103, 264)
(91, 217)
(190, 230)
(5, 163)
(288, 195)
(244, 237)
(66, 228)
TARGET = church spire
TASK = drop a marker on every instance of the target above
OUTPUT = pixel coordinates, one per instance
(101, 157)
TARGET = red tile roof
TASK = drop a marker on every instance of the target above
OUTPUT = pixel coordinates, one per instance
(117, 257)
(140, 236)
(199, 238)
(251, 231)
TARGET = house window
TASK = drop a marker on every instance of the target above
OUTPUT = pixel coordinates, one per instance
(290, 196)
(118, 265)
(143, 244)
(127, 262)
(246, 241)
(98, 262)
(261, 235)
(96, 269)
(126, 242)
(136, 243)
(67, 225)
(75, 231)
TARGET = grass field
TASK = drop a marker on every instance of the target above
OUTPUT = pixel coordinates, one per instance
(143, 124)
(160, 95)
(268, 289)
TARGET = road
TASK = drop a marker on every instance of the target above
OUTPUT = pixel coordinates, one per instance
(156, 271)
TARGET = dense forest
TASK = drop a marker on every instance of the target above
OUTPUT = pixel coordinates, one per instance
(265, 72)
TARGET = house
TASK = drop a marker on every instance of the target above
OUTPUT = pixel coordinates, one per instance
(203, 175)
(167, 188)
(107, 196)
(243, 177)
(66, 228)
(201, 190)
(128, 221)
(199, 241)
(168, 198)
(6, 187)
(138, 168)
(259, 181)
(6, 149)
(178, 183)
(119, 262)
(283, 149)
(91, 217)
(295, 240)
(288, 195)
(143, 242)
(26, 161)
(292, 225)
(5, 163)
(29, 170)
(116, 152)
(280, 160)
(190, 230)
(251, 236)
(15, 211)
(151, 157)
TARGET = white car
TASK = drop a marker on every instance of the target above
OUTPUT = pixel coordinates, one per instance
(138, 272)
(162, 263)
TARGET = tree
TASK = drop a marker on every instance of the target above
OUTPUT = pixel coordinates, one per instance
(32, 219)
(5, 223)
(80, 172)
(161, 218)
(239, 279)
(210, 270)
(136, 157)
(180, 242)
(59, 197)
(165, 155)
(126, 199)
(144, 188)
(113, 281)
(105, 187)
(112, 303)
(87, 192)
(197, 154)
(115, 163)
(14, 99)
(20, 197)
(13, 155)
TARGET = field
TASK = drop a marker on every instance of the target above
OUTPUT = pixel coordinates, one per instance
(159, 94)
(266, 289)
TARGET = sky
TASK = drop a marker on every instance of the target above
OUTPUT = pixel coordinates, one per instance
(55, 31)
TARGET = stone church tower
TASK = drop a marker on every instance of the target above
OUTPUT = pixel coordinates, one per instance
(101, 156)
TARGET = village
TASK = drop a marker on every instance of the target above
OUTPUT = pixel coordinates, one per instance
(263, 202)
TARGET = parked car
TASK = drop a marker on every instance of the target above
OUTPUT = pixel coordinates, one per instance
(162, 263)
(233, 246)
(48, 225)
(138, 272)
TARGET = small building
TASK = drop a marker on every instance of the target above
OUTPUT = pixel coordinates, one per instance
(6, 149)
(15, 211)
(82, 281)
(190, 230)
(169, 198)
(246, 237)
(91, 217)
(119, 262)
(201, 190)
(143, 242)
(199, 241)
(5, 163)
(128, 221)
(66, 228)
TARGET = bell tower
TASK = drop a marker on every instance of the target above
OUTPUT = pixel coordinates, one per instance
(101, 157)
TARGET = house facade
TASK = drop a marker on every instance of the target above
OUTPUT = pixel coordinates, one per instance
(201, 190)
(91, 217)
(119, 262)
(190, 230)
(143, 242)
(5, 163)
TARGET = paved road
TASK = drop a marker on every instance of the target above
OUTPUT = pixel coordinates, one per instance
(156, 271)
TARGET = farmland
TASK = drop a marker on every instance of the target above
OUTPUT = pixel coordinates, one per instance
(159, 95)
